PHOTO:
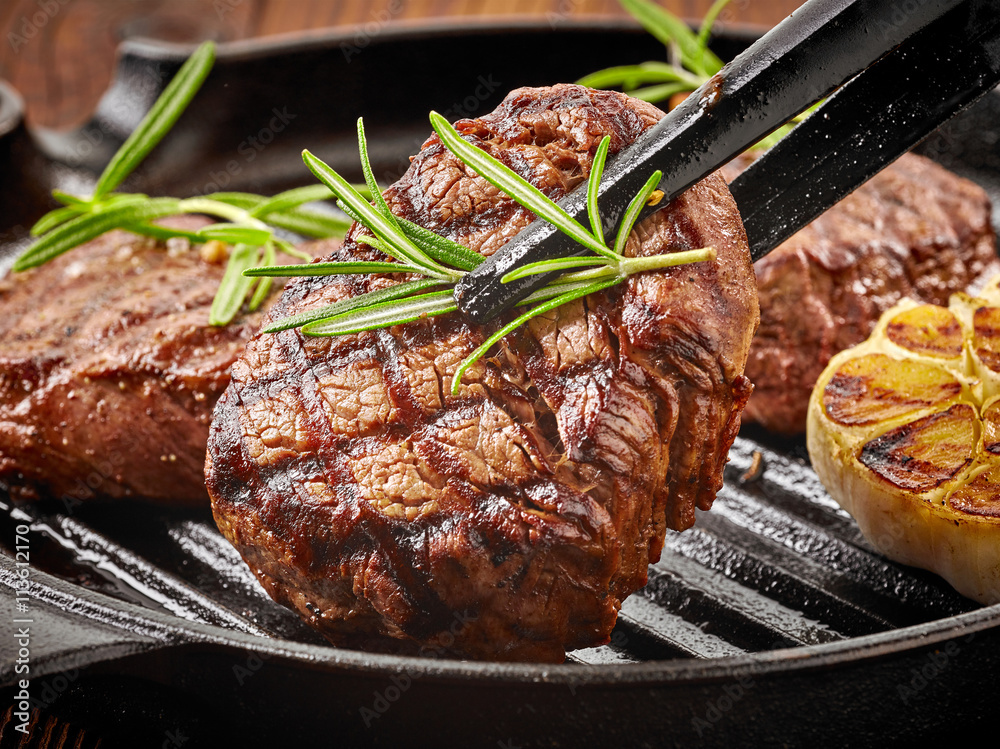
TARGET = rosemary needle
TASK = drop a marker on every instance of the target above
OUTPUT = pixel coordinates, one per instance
(158, 121)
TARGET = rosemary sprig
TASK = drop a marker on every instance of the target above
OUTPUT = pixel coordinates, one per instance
(657, 81)
(248, 222)
(413, 249)
(673, 32)
(696, 63)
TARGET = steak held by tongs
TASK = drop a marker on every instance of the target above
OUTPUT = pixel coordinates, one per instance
(510, 520)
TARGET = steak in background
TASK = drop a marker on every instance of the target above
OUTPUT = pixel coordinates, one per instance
(510, 521)
(915, 229)
(109, 371)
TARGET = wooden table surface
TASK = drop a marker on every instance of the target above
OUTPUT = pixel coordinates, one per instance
(60, 53)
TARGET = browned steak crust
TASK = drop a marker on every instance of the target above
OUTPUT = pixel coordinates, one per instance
(914, 230)
(509, 521)
(109, 372)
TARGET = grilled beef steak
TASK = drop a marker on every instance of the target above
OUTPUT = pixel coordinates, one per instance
(913, 230)
(109, 371)
(507, 522)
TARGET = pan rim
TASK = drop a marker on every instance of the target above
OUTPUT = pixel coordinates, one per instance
(400, 30)
(149, 629)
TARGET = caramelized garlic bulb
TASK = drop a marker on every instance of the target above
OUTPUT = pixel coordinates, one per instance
(904, 432)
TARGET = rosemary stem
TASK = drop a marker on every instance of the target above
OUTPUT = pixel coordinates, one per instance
(626, 266)
(631, 265)
(510, 327)
(222, 210)
(592, 274)
(690, 79)
(290, 249)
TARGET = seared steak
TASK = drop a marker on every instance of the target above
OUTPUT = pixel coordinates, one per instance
(507, 522)
(109, 371)
(914, 230)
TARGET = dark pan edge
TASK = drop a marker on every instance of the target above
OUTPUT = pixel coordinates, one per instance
(404, 29)
(147, 629)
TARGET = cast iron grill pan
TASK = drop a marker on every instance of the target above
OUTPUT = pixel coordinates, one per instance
(771, 620)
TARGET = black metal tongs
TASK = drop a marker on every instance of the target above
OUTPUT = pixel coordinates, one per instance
(899, 71)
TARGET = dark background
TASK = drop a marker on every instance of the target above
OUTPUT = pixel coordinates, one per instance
(60, 53)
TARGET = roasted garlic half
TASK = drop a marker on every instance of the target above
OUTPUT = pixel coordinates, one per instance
(904, 432)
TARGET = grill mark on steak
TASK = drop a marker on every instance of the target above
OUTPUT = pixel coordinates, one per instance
(533, 499)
